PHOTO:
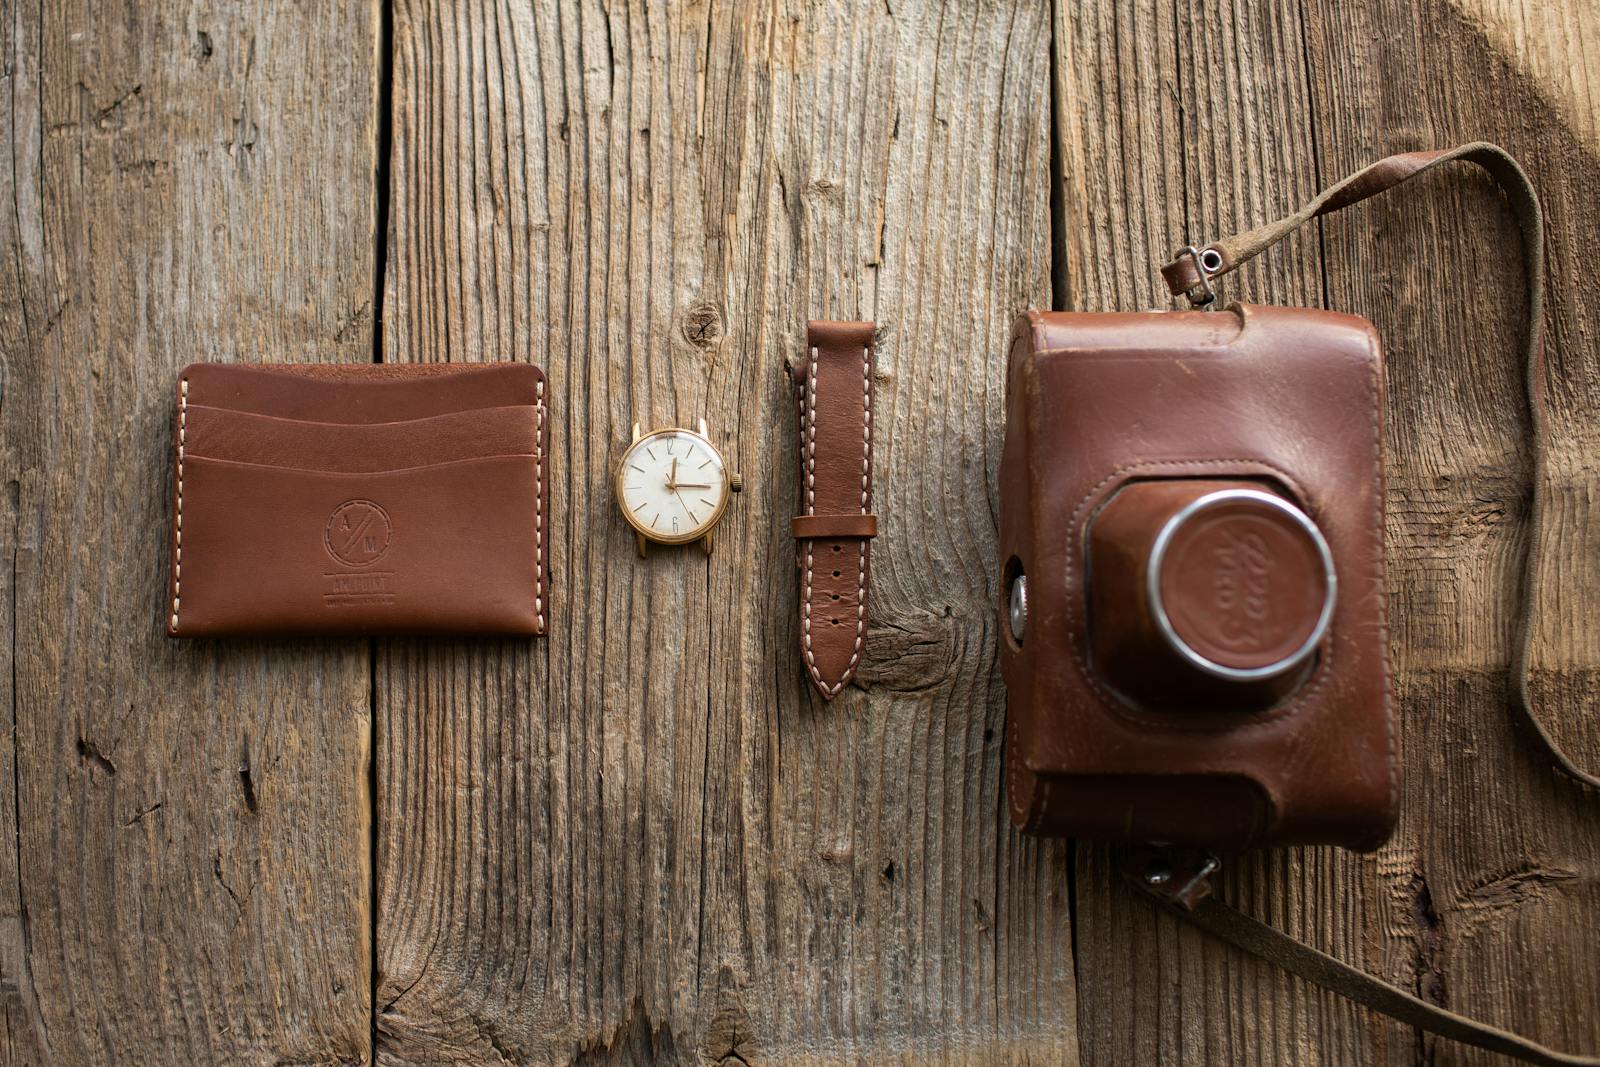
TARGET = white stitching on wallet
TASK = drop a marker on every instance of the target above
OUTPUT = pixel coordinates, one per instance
(177, 552)
(808, 427)
(538, 511)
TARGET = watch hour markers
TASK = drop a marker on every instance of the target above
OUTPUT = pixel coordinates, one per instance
(671, 485)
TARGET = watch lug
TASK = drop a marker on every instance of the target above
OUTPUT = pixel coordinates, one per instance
(639, 537)
(635, 434)
(703, 432)
(705, 543)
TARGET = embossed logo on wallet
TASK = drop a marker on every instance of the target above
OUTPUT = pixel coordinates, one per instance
(358, 533)
(365, 588)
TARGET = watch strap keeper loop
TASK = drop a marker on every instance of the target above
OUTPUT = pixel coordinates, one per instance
(834, 526)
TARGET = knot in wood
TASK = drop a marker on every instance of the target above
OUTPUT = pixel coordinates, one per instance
(702, 326)
(917, 651)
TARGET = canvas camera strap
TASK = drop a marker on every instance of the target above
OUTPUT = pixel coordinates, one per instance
(1180, 879)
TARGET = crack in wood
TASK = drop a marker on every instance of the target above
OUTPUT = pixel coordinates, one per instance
(246, 779)
(89, 753)
(139, 815)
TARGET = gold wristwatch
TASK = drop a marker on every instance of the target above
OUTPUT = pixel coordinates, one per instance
(673, 486)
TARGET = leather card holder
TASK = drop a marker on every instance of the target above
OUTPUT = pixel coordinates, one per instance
(359, 499)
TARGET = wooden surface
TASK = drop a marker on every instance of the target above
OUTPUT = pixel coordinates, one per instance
(642, 839)
(187, 877)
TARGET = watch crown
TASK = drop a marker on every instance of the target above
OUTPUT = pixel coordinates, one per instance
(736, 483)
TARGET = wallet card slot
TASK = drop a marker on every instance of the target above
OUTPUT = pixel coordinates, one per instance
(361, 393)
(272, 441)
(289, 468)
(448, 547)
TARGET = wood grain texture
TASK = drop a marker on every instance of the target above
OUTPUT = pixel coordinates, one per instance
(1476, 901)
(644, 839)
(183, 859)
(1497, 860)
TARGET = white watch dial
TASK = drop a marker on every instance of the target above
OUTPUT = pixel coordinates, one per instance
(672, 485)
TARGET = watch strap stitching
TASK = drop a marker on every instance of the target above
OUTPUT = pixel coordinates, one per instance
(866, 488)
(808, 408)
(177, 523)
(538, 510)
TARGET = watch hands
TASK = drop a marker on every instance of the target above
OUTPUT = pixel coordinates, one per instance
(672, 477)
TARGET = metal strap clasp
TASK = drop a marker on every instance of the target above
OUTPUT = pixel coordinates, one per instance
(1207, 261)
(1178, 877)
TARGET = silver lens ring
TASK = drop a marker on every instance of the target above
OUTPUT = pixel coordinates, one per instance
(1158, 607)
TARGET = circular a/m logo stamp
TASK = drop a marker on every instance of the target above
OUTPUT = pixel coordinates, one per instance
(358, 533)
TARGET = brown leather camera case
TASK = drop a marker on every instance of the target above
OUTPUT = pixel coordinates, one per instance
(1284, 399)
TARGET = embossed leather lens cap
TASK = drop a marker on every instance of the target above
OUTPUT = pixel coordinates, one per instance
(1242, 583)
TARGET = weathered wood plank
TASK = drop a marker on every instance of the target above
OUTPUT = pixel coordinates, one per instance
(23, 1036)
(642, 838)
(1497, 860)
(183, 868)
(1494, 864)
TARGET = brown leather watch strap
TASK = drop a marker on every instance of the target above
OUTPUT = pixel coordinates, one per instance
(835, 525)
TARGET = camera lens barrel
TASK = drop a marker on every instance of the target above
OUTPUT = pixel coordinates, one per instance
(1207, 595)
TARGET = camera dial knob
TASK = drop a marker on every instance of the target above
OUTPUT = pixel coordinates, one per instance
(1017, 608)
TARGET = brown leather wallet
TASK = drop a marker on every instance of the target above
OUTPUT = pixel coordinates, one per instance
(835, 527)
(359, 499)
